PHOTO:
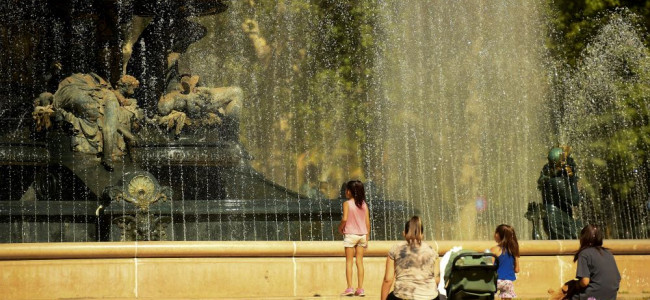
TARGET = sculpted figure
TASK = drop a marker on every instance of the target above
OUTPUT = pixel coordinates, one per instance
(188, 104)
(158, 36)
(43, 111)
(558, 183)
(101, 117)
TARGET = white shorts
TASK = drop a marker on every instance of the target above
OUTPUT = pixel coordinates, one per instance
(353, 240)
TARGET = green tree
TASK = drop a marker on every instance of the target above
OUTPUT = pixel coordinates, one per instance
(309, 101)
(607, 121)
(573, 22)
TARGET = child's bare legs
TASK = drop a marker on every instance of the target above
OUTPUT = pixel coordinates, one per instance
(360, 270)
(349, 260)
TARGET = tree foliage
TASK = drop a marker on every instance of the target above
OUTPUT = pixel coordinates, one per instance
(606, 119)
(574, 22)
(309, 103)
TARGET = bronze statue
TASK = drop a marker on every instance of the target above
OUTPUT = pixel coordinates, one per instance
(43, 111)
(558, 183)
(157, 37)
(189, 104)
(101, 117)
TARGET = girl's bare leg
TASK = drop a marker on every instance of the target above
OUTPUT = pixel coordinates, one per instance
(349, 260)
(360, 270)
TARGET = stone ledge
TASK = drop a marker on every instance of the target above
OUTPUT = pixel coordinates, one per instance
(260, 270)
(277, 249)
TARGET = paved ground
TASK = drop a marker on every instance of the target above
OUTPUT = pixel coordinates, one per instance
(372, 296)
(529, 297)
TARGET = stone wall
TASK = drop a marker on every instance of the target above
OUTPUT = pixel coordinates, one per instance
(191, 270)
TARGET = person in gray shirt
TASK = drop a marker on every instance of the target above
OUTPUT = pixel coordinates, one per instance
(597, 272)
(413, 266)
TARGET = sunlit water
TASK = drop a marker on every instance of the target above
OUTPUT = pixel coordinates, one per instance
(459, 112)
(456, 123)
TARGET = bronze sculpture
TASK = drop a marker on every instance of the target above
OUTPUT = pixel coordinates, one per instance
(189, 104)
(101, 117)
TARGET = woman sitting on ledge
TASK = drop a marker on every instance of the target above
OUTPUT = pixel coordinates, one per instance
(412, 266)
(597, 271)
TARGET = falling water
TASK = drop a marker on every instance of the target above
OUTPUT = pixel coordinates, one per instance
(461, 128)
(443, 108)
(606, 90)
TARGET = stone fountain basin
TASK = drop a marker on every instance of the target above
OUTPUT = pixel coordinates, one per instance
(216, 195)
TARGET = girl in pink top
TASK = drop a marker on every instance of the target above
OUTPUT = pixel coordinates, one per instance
(355, 227)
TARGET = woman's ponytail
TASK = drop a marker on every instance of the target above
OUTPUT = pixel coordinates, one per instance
(414, 231)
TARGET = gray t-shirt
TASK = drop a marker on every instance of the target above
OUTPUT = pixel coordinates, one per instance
(415, 271)
(600, 267)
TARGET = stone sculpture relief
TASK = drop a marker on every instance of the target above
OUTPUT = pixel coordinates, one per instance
(102, 118)
(139, 190)
(193, 105)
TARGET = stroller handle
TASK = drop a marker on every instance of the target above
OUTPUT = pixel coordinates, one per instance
(475, 255)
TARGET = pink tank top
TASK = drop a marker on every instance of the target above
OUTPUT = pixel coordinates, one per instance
(356, 223)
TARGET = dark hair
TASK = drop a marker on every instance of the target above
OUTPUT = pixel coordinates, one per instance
(590, 236)
(413, 231)
(508, 239)
(357, 191)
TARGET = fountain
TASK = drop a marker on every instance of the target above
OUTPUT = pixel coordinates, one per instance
(157, 157)
(158, 147)
(240, 120)
(463, 97)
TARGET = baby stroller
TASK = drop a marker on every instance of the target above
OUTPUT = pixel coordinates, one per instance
(471, 275)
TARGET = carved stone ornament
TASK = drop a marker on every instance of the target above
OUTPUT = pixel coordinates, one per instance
(142, 228)
(140, 189)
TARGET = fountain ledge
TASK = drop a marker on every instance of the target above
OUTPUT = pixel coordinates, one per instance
(262, 270)
(276, 249)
